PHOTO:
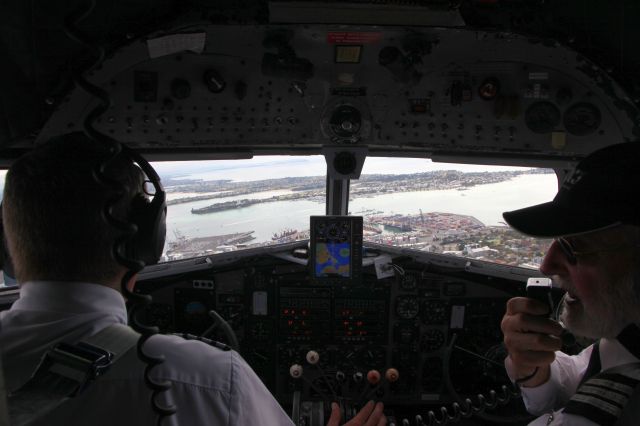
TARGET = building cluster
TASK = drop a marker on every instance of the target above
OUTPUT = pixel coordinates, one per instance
(458, 235)
(435, 232)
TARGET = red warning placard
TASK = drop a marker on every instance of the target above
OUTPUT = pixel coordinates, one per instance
(349, 37)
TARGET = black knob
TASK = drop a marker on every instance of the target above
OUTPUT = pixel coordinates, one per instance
(489, 88)
(214, 81)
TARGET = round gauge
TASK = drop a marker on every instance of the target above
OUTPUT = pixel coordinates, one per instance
(542, 117)
(432, 340)
(405, 334)
(434, 312)
(290, 355)
(260, 331)
(373, 357)
(345, 121)
(334, 232)
(408, 282)
(582, 119)
(407, 307)
(195, 313)
(160, 315)
(432, 374)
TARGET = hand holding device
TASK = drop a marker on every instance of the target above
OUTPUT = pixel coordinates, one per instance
(530, 336)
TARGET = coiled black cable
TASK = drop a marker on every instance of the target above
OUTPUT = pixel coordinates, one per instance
(127, 230)
(465, 408)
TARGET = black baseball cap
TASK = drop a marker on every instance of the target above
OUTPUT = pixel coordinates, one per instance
(602, 191)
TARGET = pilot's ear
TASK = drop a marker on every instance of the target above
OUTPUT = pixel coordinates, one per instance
(132, 282)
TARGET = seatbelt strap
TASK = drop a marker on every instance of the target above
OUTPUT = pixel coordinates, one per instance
(629, 337)
(594, 366)
(67, 370)
(631, 412)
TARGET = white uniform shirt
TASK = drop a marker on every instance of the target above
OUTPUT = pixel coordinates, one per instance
(209, 386)
(549, 398)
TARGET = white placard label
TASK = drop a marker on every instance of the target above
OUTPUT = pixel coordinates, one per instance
(260, 303)
(457, 316)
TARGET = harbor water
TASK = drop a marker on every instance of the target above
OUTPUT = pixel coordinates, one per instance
(485, 202)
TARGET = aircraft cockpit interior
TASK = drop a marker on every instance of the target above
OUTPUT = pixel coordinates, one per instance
(336, 173)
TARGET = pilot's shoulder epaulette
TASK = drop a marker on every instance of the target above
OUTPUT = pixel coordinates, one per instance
(209, 342)
(603, 398)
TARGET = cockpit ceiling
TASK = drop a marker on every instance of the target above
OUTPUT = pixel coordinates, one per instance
(228, 79)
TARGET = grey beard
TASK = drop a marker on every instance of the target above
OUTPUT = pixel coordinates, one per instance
(619, 305)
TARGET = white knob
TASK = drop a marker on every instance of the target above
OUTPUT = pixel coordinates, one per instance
(313, 357)
(295, 371)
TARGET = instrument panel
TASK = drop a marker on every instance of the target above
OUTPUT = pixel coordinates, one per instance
(407, 339)
(444, 90)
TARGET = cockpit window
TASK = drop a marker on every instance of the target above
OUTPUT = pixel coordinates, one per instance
(220, 206)
(456, 209)
(452, 209)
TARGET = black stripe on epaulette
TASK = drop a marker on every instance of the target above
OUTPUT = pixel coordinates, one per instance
(602, 398)
(209, 342)
(597, 386)
(619, 378)
(603, 414)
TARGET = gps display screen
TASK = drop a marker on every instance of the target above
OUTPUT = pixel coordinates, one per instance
(333, 258)
(336, 248)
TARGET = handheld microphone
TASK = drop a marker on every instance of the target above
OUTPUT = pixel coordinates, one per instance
(540, 289)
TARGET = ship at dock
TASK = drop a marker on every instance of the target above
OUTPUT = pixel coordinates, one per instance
(284, 234)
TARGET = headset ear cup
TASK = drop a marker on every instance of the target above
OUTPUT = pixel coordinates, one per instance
(135, 246)
(150, 218)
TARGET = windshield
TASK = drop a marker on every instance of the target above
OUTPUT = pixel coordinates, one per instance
(218, 206)
(456, 209)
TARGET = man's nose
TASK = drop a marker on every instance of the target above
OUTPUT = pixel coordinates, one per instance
(555, 262)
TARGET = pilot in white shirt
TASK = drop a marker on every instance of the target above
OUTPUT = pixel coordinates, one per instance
(209, 386)
(595, 258)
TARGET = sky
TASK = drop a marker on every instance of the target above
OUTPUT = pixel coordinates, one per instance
(273, 167)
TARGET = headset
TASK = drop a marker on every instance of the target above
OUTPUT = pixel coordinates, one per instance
(149, 215)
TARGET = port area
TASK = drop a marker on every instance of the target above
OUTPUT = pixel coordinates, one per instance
(191, 247)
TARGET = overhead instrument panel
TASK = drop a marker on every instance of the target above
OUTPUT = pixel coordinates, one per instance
(264, 87)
